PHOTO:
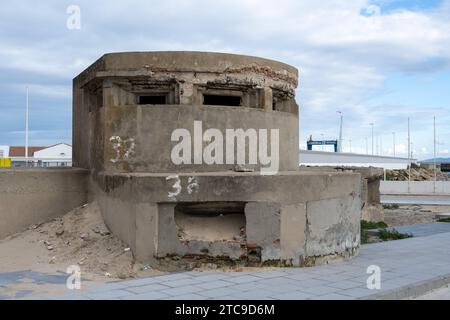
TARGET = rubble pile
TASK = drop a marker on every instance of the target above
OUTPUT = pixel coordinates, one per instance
(417, 174)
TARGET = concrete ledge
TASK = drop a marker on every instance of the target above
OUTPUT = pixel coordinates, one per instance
(30, 196)
(412, 290)
(415, 199)
(415, 187)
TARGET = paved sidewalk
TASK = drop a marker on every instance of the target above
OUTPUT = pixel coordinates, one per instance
(408, 267)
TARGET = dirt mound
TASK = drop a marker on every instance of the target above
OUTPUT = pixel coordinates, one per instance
(412, 214)
(78, 238)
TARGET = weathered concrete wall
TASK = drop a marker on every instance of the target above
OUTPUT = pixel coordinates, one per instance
(105, 99)
(150, 150)
(371, 209)
(30, 196)
(296, 217)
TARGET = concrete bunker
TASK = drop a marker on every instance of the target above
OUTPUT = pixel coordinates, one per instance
(126, 107)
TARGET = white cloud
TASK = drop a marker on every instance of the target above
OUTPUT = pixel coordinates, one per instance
(343, 55)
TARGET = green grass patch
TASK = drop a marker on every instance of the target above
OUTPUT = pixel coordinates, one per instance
(366, 225)
(383, 234)
(364, 237)
(391, 206)
(443, 220)
(392, 234)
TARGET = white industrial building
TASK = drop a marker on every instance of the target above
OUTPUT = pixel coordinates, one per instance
(322, 158)
(61, 151)
(53, 156)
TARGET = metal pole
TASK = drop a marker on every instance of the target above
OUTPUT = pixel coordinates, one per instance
(409, 157)
(377, 147)
(393, 135)
(367, 146)
(340, 131)
(434, 152)
(350, 142)
(26, 131)
(372, 136)
(381, 145)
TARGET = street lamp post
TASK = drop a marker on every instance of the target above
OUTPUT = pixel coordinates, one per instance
(26, 130)
(409, 157)
(340, 130)
(393, 141)
(372, 135)
(434, 153)
(381, 145)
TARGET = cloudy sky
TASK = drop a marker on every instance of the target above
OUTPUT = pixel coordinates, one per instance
(378, 61)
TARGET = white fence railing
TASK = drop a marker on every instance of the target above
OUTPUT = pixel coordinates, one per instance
(40, 162)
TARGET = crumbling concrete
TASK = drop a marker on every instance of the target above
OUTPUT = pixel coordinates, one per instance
(372, 210)
(126, 108)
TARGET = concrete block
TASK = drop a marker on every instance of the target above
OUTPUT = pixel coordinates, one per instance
(333, 227)
(146, 231)
(263, 228)
(293, 227)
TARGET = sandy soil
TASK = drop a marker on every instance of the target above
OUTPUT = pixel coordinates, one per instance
(407, 215)
(78, 238)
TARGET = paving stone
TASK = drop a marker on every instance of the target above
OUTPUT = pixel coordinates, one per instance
(281, 288)
(248, 286)
(173, 276)
(141, 282)
(180, 290)
(357, 292)
(211, 277)
(146, 296)
(108, 286)
(345, 284)
(277, 282)
(332, 296)
(296, 295)
(112, 294)
(148, 288)
(319, 290)
(270, 274)
(309, 283)
(216, 293)
(301, 276)
(243, 279)
(214, 284)
(181, 282)
(190, 296)
(252, 295)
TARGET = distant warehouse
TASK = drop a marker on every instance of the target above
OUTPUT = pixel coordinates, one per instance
(57, 155)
